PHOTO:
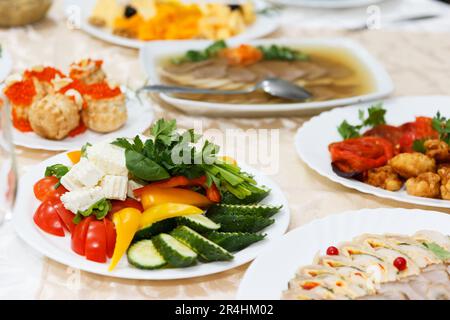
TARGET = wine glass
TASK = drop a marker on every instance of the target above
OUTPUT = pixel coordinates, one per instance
(8, 170)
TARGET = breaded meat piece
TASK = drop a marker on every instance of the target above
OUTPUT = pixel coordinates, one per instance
(437, 149)
(105, 115)
(410, 165)
(444, 174)
(54, 116)
(425, 185)
(384, 177)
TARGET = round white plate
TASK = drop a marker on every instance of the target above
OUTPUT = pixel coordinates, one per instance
(269, 274)
(327, 4)
(140, 117)
(152, 53)
(264, 24)
(5, 63)
(314, 136)
(58, 248)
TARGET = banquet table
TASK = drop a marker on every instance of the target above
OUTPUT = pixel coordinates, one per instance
(416, 58)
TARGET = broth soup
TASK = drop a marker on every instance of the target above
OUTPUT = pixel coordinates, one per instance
(328, 73)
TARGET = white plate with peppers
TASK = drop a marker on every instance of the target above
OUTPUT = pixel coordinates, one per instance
(88, 227)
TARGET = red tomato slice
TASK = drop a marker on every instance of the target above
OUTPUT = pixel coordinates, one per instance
(46, 218)
(54, 194)
(360, 154)
(110, 237)
(65, 215)
(95, 248)
(44, 186)
(79, 235)
(117, 205)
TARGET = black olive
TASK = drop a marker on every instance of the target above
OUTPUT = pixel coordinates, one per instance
(235, 7)
(129, 11)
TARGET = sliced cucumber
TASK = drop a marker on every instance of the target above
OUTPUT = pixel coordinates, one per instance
(241, 223)
(154, 229)
(143, 255)
(174, 252)
(234, 241)
(206, 249)
(198, 222)
(262, 210)
(255, 197)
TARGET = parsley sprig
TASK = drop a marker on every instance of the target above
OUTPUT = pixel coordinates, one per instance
(442, 126)
(375, 117)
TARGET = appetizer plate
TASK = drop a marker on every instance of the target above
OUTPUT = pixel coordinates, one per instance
(58, 248)
(327, 4)
(5, 63)
(298, 247)
(140, 117)
(314, 136)
(152, 53)
(263, 25)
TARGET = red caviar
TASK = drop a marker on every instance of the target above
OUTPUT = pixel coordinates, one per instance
(21, 93)
(47, 74)
(100, 90)
(20, 124)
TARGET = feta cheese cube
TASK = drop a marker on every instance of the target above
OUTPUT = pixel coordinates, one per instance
(114, 187)
(70, 182)
(81, 199)
(109, 158)
(87, 173)
(133, 185)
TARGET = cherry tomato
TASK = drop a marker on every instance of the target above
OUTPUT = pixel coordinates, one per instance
(117, 205)
(65, 215)
(44, 186)
(400, 263)
(54, 194)
(332, 251)
(79, 235)
(110, 237)
(95, 246)
(46, 217)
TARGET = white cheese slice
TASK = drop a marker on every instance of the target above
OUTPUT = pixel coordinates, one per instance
(114, 187)
(87, 173)
(133, 185)
(109, 158)
(70, 182)
(81, 199)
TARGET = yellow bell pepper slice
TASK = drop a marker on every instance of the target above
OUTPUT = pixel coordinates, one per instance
(167, 210)
(155, 196)
(228, 160)
(127, 222)
(74, 156)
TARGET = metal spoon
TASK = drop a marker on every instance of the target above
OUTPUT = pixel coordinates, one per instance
(273, 86)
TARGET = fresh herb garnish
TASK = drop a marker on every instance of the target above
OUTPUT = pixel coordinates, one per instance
(200, 55)
(374, 118)
(99, 209)
(170, 153)
(58, 171)
(84, 149)
(440, 252)
(442, 126)
(275, 52)
(419, 145)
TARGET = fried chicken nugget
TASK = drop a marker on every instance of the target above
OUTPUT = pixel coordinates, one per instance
(437, 149)
(410, 165)
(425, 185)
(384, 177)
(444, 174)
